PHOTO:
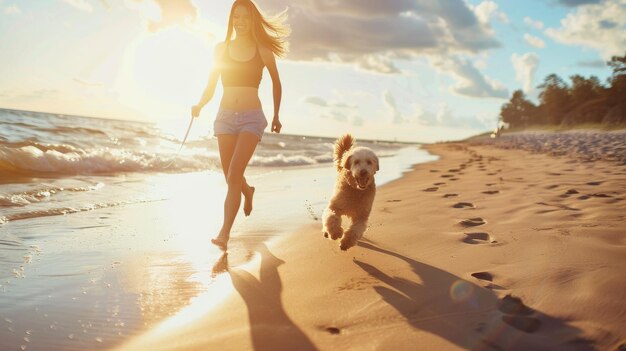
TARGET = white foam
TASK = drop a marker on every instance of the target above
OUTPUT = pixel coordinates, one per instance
(293, 160)
(32, 160)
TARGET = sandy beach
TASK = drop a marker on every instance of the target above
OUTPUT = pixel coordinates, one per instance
(488, 248)
(513, 243)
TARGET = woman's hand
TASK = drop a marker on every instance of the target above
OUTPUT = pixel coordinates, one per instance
(195, 110)
(276, 125)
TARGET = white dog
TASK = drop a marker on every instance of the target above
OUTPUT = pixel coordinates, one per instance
(354, 192)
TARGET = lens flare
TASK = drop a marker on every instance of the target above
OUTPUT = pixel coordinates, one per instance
(461, 291)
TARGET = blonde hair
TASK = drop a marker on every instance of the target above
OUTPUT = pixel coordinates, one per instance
(270, 32)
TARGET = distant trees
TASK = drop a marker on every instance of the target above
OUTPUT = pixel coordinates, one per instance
(586, 100)
(519, 111)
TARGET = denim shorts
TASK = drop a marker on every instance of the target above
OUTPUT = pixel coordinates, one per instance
(235, 122)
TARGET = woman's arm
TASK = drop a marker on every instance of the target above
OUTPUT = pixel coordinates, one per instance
(270, 62)
(209, 91)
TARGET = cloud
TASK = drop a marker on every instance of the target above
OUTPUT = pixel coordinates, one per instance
(161, 14)
(339, 116)
(591, 64)
(335, 110)
(525, 68)
(12, 10)
(316, 100)
(356, 121)
(370, 34)
(390, 102)
(470, 81)
(534, 41)
(376, 63)
(80, 5)
(446, 117)
(599, 27)
(532, 23)
(172, 13)
(573, 3)
(489, 9)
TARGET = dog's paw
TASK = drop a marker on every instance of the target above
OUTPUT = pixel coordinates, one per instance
(346, 243)
(336, 234)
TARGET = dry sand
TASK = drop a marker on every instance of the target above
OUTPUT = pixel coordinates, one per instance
(489, 248)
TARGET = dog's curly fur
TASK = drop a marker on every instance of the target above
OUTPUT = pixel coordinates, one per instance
(355, 190)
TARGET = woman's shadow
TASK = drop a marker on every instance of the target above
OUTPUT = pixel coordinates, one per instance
(270, 326)
(467, 314)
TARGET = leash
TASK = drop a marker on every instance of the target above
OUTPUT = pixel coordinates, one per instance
(183, 143)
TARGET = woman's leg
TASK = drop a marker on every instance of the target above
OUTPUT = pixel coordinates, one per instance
(243, 150)
(227, 143)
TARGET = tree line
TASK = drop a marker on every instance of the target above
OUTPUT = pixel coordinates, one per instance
(585, 100)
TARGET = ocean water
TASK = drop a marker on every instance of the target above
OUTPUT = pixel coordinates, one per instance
(50, 164)
(104, 227)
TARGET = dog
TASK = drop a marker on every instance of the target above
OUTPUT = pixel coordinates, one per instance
(355, 190)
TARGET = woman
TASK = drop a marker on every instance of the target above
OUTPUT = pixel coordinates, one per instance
(240, 122)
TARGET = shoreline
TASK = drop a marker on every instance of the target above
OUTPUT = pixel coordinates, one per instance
(95, 278)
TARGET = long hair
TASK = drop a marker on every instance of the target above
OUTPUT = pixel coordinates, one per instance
(270, 32)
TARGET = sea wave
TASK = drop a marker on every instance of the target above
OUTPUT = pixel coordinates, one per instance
(42, 160)
(25, 198)
(286, 160)
(35, 159)
(59, 211)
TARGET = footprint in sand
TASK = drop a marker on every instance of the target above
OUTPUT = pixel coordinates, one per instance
(594, 183)
(584, 197)
(490, 184)
(333, 330)
(514, 305)
(434, 170)
(492, 173)
(477, 238)
(571, 191)
(487, 277)
(454, 178)
(447, 175)
(394, 200)
(483, 276)
(472, 222)
(517, 314)
(601, 195)
(525, 324)
(440, 183)
(431, 189)
(463, 205)
(450, 195)
(454, 170)
(491, 192)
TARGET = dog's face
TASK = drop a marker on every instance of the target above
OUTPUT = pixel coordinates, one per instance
(362, 164)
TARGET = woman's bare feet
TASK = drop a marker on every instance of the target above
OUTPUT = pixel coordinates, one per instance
(247, 205)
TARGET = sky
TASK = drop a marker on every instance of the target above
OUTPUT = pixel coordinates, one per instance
(406, 70)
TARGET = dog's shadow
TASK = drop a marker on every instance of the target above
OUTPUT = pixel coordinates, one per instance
(270, 326)
(467, 314)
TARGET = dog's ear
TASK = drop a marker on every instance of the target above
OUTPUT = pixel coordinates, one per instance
(347, 162)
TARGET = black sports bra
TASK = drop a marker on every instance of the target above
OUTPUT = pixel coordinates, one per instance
(242, 73)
